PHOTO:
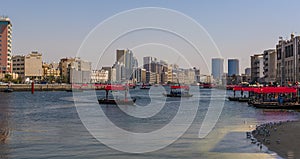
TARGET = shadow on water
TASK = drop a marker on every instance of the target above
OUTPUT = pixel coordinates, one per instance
(4, 125)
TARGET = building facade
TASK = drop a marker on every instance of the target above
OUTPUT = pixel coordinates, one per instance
(233, 67)
(5, 45)
(288, 53)
(217, 66)
(33, 66)
(257, 68)
(270, 65)
(18, 65)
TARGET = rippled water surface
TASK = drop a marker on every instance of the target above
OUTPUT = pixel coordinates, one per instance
(46, 125)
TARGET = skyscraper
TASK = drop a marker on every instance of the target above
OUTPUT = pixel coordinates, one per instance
(5, 45)
(233, 67)
(217, 66)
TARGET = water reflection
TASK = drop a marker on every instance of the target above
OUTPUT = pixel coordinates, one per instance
(4, 125)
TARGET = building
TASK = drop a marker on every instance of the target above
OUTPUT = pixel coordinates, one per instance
(80, 71)
(33, 66)
(248, 71)
(257, 68)
(75, 70)
(120, 56)
(147, 63)
(126, 58)
(288, 68)
(270, 65)
(217, 66)
(110, 73)
(99, 76)
(233, 67)
(18, 65)
(51, 72)
(5, 45)
(64, 69)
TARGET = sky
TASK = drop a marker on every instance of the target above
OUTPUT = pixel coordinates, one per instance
(57, 28)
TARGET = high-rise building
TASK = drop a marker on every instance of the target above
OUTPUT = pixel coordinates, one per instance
(257, 68)
(217, 66)
(233, 67)
(120, 56)
(5, 45)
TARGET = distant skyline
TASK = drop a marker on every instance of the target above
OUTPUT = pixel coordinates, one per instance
(239, 28)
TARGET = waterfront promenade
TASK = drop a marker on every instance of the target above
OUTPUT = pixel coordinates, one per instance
(38, 87)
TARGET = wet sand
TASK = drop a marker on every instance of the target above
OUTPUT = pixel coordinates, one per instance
(281, 137)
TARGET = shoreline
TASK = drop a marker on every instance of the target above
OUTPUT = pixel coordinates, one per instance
(281, 137)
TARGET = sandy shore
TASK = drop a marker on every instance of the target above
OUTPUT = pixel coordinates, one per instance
(281, 137)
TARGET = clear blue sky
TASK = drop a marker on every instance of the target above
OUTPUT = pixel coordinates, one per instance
(239, 28)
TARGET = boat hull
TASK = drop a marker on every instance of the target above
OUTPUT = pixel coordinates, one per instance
(276, 105)
(8, 90)
(116, 102)
(174, 95)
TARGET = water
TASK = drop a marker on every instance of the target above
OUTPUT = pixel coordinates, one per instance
(46, 125)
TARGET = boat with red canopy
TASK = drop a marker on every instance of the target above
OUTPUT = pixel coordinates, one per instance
(124, 101)
(276, 98)
(242, 89)
(179, 91)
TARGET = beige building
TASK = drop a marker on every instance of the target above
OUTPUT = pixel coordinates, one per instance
(288, 68)
(33, 65)
(51, 70)
(28, 66)
(99, 76)
(270, 65)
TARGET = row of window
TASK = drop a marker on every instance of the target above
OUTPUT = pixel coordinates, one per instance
(18, 64)
(18, 68)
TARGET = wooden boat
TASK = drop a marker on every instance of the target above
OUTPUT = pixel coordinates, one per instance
(124, 101)
(276, 105)
(179, 91)
(233, 98)
(8, 90)
(145, 86)
(116, 102)
(74, 90)
(177, 95)
(243, 99)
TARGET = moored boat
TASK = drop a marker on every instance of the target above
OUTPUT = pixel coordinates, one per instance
(8, 90)
(179, 91)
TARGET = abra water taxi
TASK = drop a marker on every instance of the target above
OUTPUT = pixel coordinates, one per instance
(179, 91)
(124, 101)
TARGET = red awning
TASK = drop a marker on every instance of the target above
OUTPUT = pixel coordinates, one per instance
(115, 87)
(180, 87)
(276, 90)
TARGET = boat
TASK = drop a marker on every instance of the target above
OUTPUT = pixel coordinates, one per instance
(178, 91)
(233, 98)
(265, 98)
(124, 101)
(206, 85)
(145, 86)
(117, 102)
(8, 90)
(74, 90)
(276, 105)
